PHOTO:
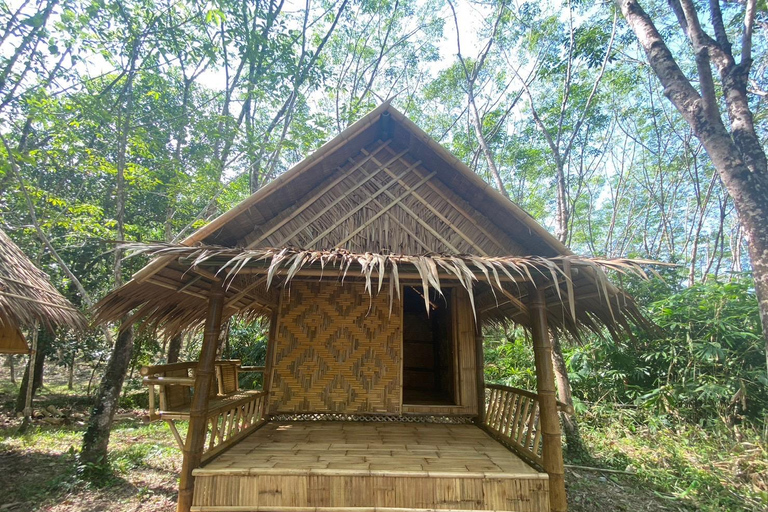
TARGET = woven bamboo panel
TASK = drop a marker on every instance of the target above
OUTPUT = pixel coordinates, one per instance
(11, 340)
(351, 492)
(337, 351)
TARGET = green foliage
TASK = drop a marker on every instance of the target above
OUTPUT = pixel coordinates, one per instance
(705, 365)
(247, 341)
(509, 358)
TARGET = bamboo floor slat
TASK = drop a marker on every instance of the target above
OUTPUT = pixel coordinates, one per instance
(364, 447)
(369, 466)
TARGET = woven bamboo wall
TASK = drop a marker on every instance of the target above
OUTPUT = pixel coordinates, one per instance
(337, 350)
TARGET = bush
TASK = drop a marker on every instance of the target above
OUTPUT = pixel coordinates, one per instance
(706, 364)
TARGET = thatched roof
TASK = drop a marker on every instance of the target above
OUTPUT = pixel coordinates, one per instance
(382, 195)
(578, 292)
(26, 294)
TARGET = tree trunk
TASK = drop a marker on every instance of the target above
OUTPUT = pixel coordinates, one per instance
(33, 357)
(11, 368)
(174, 348)
(562, 214)
(574, 443)
(71, 375)
(41, 351)
(96, 438)
(737, 155)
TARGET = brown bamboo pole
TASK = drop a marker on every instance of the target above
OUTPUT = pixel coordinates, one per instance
(545, 387)
(270, 356)
(193, 448)
(480, 371)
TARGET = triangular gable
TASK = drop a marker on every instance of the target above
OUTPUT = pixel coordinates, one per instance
(382, 185)
(11, 340)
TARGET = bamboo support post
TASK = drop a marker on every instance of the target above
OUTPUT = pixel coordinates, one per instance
(193, 448)
(480, 371)
(266, 383)
(545, 386)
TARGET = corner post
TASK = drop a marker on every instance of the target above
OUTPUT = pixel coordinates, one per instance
(269, 359)
(480, 370)
(193, 449)
(545, 387)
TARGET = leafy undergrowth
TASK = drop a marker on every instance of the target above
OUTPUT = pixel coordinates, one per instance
(674, 470)
(685, 464)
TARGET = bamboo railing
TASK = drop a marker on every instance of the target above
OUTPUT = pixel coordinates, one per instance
(512, 416)
(231, 415)
(232, 421)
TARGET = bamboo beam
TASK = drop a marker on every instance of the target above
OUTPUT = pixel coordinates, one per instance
(193, 448)
(242, 293)
(325, 210)
(545, 387)
(405, 228)
(168, 286)
(189, 283)
(386, 208)
(162, 368)
(480, 371)
(459, 209)
(266, 383)
(415, 216)
(335, 271)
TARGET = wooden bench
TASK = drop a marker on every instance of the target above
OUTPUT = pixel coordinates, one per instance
(230, 409)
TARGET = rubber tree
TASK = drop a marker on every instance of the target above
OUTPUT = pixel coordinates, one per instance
(729, 137)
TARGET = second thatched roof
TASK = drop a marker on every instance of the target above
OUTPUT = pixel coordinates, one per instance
(27, 295)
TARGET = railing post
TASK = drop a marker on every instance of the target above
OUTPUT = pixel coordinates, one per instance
(545, 386)
(193, 448)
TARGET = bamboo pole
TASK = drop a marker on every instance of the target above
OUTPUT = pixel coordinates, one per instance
(480, 371)
(266, 383)
(545, 387)
(193, 448)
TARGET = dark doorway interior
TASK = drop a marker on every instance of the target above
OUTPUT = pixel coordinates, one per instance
(428, 359)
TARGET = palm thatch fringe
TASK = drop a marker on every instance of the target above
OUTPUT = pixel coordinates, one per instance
(579, 292)
(26, 294)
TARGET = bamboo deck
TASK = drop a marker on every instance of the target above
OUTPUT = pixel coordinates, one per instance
(356, 466)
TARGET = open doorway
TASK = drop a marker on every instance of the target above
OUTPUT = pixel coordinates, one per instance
(428, 352)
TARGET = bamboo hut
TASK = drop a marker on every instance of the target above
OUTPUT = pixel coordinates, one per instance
(28, 298)
(377, 261)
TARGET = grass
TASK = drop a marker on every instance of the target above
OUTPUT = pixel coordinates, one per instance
(41, 468)
(708, 469)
